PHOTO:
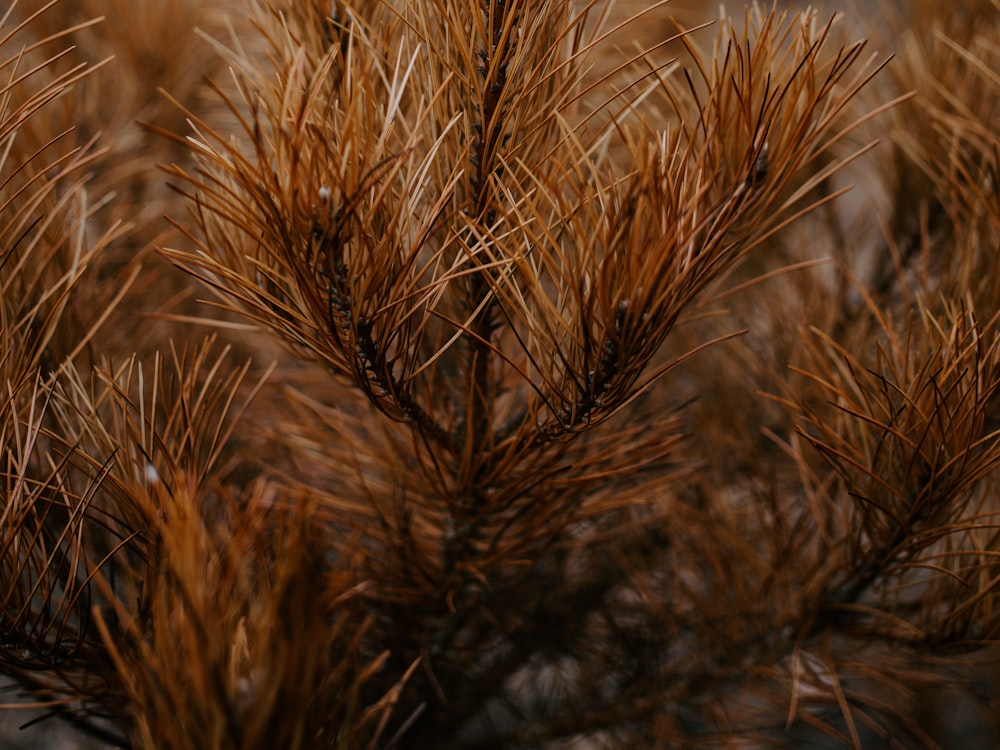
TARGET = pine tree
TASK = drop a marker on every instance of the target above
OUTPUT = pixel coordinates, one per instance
(554, 395)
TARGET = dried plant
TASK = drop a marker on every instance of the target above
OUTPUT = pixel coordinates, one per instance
(569, 440)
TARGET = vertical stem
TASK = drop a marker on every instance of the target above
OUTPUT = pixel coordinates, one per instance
(500, 26)
(474, 445)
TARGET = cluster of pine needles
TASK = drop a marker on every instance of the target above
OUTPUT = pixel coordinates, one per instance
(482, 374)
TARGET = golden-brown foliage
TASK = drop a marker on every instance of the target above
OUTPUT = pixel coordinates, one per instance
(569, 439)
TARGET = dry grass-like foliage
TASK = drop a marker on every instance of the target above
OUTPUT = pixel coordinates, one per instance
(570, 439)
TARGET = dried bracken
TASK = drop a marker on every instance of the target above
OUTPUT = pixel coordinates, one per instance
(569, 436)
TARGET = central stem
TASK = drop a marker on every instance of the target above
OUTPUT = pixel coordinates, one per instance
(500, 27)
